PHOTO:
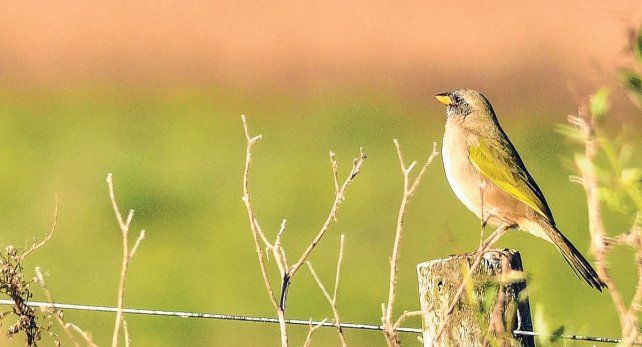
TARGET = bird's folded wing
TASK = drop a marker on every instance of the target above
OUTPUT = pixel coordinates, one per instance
(506, 172)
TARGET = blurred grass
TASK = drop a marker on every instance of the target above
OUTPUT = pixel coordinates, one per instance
(177, 159)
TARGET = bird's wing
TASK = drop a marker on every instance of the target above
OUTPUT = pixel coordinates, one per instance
(502, 165)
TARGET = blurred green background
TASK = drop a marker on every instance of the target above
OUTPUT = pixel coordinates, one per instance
(177, 158)
(153, 93)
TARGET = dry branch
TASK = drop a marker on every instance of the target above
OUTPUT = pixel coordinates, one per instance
(128, 339)
(128, 254)
(37, 245)
(332, 300)
(276, 248)
(258, 235)
(409, 188)
(14, 284)
(332, 216)
(311, 330)
(58, 313)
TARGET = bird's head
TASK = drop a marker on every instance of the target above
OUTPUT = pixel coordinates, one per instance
(463, 102)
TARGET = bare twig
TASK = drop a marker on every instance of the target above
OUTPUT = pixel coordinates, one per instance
(58, 314)
(635, 240)
(14, 285)
(408, 191)
(332, 300)
(48, 236)
(128, 339)
(85, 335)
(258, 235)
(312, 329)
(338, 199)
(278, 251)
(405, 315)
(276, 248)
(335, 172)
(128, 254)
(339, 262)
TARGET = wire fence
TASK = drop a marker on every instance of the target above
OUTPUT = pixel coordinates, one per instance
(222, 316)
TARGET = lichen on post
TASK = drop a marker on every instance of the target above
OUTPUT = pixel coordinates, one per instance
(493, 305)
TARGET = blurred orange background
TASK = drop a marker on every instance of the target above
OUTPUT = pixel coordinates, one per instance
(410, 47)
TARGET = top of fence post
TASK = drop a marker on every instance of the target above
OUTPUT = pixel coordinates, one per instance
(493, 304)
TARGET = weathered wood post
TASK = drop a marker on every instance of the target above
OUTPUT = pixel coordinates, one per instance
(493, 305)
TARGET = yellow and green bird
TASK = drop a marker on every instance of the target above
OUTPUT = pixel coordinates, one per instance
(485, 171)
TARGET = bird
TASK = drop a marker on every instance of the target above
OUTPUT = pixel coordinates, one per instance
(487, 175)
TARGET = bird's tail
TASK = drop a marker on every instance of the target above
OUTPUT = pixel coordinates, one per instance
(573, 257)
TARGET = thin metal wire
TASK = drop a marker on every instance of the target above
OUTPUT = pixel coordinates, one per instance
(575, 337)
(205, 315)
(221, 316)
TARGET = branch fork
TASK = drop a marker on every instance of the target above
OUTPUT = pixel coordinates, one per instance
(128, 254)
(409, 188)
(262, 242)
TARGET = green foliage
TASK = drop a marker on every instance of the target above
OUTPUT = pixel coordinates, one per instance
(630, 80)
(620, 180)
(490, 293)
(556, 334)
(631, 177)
(618, 176)
(637, 46)
(630, 77)
(570, 132)
(615, 199)
(599, 103)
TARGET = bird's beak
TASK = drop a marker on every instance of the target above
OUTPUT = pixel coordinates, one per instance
(444, 98)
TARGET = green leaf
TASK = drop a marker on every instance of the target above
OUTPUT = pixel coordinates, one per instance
(599, 103)
(630, 80)
(570, 132)
(556, 334)
(615, 199)
(491, 291)
(637, 46)
(631, 176)
(626, 153)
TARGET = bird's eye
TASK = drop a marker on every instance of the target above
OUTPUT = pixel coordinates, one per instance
(457, 99)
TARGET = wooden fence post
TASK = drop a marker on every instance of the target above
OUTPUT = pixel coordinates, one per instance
(493, 305)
